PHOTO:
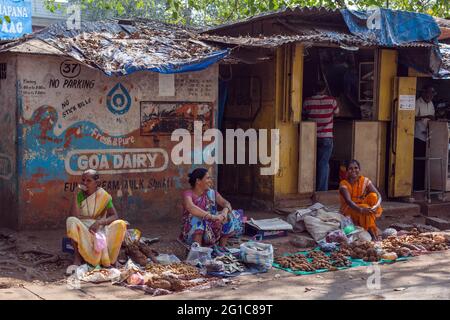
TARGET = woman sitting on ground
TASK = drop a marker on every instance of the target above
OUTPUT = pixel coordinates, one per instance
(202, 223)
(360, 199)
(93, 212)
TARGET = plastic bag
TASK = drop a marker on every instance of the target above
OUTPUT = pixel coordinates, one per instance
(129, 269)
(327, 247)
(389, 232)
(359, 235)
(99, 241)
(81, 271)
(257, 253)
(198, 255)
(132, 236)
(347, 225)
(389, 256)
(136, 279)
(337, 236)
(167, 258)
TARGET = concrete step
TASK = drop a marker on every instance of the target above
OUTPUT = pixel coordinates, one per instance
(439, 223)
(436, 209)
(293, 201)
(396, 209)
(390, 208)
(327, 198)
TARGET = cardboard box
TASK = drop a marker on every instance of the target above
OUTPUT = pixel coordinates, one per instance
(253, 231)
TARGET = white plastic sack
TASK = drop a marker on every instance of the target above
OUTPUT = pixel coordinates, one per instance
(296, 219)
(319, 228)
(329, 216)
(97, 275)
(257, 253)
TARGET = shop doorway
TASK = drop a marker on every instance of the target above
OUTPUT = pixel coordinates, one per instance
(439, 138)
(350, 79)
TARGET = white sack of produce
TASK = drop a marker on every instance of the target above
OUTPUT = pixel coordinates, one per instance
(296, 219)
(319, 228)
(329, 216)
(257, 253)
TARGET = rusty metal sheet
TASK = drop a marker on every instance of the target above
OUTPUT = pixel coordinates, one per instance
(317, 37)
(119, 49)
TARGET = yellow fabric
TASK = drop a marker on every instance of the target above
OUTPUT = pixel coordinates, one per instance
(94, 205)
(78, 231)
(359, 195)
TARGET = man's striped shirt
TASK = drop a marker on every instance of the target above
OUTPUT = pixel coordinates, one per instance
(321, 109)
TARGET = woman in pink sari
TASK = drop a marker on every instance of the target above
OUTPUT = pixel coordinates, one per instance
(202, 222)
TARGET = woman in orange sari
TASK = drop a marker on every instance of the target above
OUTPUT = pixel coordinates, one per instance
(360, 199)
(94, 219)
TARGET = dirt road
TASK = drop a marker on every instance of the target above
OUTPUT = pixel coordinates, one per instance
(424, 277)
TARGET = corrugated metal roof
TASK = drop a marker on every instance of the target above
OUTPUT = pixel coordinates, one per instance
(445, 51)
(318, 37)
(315, 25)
(312, 14)
(444, 25)
(119, 48)
(35, 46)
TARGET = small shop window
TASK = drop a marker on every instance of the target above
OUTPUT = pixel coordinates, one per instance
(2, 70)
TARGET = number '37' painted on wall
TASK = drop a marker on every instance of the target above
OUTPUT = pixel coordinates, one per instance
(70, 69)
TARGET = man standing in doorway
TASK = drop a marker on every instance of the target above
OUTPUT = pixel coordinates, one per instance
(321, 108)
(424, 113)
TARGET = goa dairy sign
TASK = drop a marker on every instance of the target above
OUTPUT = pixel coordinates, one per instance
(114, 161)
(19, 11)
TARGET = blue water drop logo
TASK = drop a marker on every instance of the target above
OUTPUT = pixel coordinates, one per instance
(118, 100)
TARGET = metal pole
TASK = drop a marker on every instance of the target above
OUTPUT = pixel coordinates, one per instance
(443, 179)
(427, 160)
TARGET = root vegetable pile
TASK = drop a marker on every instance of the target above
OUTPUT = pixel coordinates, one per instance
(136, 255)
(296, 262)
(299, 262)
(340, 260)
(414, 243)
(361, 250)
(181, 270)
(168, 282)
(317, 255)
(322, 262)
(173, 277)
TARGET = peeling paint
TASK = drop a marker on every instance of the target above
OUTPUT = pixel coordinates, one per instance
(49, 135)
